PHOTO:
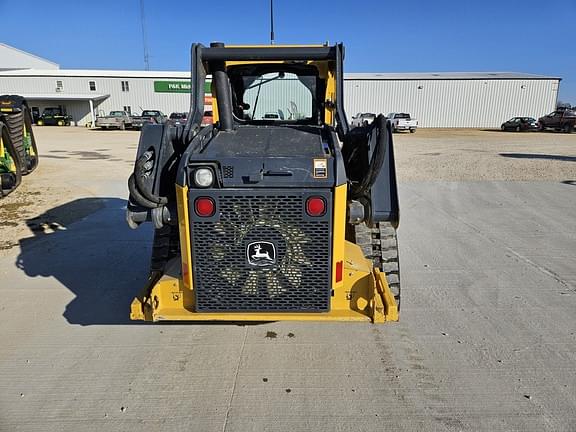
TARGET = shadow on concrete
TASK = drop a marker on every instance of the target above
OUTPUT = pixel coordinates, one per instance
(509, 131)
(539, 156)
(569, 182)
(86, 245)
(111, 129)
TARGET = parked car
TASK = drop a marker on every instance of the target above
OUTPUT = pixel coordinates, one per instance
(54, 116)
(207, 119)
(564, 120)
(362, 119)
(271, 116)
(154, 116)
(138, 122)
(519, 124)
(178, 118)
(116, 119)
(402, 121)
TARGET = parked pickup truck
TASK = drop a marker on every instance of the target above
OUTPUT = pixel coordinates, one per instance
(564, 120)
(402, 121)
(178, 118)
(153, 116)
(362, 119)
(116, 119)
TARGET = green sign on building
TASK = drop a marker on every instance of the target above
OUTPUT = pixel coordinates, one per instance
(172, 86)
(176, 87)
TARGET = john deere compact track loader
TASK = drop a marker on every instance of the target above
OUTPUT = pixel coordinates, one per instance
(18, 152)
(277, 211)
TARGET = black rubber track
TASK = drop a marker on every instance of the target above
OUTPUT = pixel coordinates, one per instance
(15, 123)
(166, 246)
(380, 244)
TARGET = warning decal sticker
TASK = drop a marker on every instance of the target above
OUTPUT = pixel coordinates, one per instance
(320, 168)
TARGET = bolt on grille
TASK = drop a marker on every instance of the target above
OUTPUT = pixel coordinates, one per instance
(262, 254)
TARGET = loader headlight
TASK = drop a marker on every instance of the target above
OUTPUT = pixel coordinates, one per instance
(203, 177)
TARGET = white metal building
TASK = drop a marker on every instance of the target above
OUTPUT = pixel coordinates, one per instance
(83, 92)
(453, 100)
(466, 100)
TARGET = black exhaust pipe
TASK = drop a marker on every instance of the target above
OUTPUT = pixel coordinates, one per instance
(223, 94)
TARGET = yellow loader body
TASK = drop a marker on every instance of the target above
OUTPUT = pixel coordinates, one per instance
(364, 296)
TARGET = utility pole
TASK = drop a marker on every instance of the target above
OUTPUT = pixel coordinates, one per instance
(144, 38)
(271, 22)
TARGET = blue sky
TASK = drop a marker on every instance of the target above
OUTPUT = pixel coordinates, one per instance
(380, 36)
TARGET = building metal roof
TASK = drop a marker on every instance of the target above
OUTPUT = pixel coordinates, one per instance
(15, 62)
(13, 58)
(95, 73)
(403, 76)
(64, 96)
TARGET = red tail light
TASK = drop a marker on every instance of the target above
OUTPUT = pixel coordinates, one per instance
(204, 207)
(339, 265)
(315, 206)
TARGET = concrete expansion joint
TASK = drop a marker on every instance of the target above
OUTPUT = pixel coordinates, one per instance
(229, 407)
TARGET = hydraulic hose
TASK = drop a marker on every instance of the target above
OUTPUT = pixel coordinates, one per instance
(376, 161)
(138, 189)
(137, 196)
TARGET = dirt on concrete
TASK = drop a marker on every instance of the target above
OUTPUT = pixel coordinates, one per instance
(74, 163)
(471, 155)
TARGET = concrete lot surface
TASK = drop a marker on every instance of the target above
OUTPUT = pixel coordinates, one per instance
(486, 341)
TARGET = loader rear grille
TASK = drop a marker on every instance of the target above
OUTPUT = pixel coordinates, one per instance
(230, 275)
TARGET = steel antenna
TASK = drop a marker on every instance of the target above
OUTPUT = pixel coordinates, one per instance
(271, 22)
(144, 38)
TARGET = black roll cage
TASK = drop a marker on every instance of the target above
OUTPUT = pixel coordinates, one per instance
(211, 60)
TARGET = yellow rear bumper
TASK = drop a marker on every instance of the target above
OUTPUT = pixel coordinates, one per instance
(365, 296)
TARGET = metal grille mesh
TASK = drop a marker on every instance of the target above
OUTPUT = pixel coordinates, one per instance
(225, 281)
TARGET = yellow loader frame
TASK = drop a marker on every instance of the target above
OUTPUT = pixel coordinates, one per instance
(362, 294)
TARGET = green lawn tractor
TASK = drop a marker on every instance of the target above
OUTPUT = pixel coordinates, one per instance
(54, 116)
